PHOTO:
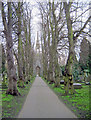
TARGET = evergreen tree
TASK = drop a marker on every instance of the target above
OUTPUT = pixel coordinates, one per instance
(84, 54)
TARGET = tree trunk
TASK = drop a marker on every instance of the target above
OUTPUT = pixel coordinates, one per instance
(20, 50)
(52, 47)
(54, 29)
(26, 51)
(29, 55)
(12, 86)
(3, 66)
(68, 69)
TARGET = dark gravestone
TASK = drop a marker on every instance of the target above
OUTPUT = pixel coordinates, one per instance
(77, 85)
(62, 82)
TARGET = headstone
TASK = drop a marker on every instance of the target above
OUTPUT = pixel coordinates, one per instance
(87, 83)
(77, 85)
(61, 81)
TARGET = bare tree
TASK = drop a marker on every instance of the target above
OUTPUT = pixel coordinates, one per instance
(71, 38)
(12, 87)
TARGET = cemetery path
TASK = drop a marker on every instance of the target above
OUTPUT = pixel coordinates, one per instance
(42, 102)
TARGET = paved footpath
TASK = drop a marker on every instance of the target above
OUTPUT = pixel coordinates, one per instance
(42, 102)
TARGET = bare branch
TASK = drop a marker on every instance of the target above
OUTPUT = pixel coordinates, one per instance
(75, 37)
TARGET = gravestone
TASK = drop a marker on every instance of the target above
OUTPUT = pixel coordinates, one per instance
(61, 81)
(77, 85)
(87, 83)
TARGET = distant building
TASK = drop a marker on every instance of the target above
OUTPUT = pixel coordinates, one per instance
(38, 65)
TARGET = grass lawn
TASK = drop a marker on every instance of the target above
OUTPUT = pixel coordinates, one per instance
(11, 105)
(78, 103)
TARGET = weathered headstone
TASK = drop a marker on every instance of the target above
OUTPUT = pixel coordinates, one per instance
(77, 85)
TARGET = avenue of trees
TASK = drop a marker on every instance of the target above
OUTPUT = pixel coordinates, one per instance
(63, 26)
(16, 18)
